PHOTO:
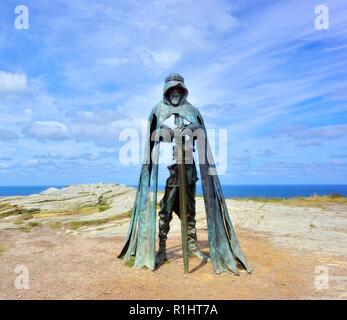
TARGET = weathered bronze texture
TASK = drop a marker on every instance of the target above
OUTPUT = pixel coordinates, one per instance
(182, 199)
(139, 249)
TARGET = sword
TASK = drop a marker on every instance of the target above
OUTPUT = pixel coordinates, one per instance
(182, 194)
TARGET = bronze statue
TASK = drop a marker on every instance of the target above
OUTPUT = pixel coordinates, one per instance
(180, 189)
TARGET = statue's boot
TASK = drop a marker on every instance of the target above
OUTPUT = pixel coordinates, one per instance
(161, 257)
(193, 243)
(197, 253)
(164, 228)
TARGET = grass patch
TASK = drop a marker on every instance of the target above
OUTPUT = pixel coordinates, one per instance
(24, 228)
(34, 224)
(9, 210)
(102, 204)
(124, 215)
(2, 248)
(25, 212)
(336, 196)
(104, 207)
(86, 210)
(26, 216)
(55, 225)
(86, 223)
(74, 225)
(311, 201)
(5, 214)
(79, 211)
(4, 205)
(5, 210)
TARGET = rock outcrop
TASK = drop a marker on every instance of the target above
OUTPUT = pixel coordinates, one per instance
(103, 210)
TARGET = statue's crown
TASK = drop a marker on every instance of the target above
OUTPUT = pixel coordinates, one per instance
(174, 77)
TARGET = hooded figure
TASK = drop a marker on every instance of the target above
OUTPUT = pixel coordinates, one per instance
(139, 249)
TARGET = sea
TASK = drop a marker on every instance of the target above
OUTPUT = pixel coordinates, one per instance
(230, 191)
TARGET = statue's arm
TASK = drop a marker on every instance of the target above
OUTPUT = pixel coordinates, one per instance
(166, 133)
(194, 126)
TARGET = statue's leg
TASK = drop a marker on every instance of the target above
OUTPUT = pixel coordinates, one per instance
(191, 213)
(165, 217)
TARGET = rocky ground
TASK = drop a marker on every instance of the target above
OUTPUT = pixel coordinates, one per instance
(65, 243)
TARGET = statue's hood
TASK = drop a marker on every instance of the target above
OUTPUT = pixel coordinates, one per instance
(171, 84)
(165, 109)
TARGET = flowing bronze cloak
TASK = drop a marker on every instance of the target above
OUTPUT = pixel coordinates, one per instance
(140, 245)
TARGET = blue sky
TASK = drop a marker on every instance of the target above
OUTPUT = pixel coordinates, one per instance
(85, 70)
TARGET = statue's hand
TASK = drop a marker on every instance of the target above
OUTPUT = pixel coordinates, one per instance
(186, 130)
(166, 132)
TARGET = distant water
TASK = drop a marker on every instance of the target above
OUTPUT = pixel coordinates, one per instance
(23, 190)
(238, 191)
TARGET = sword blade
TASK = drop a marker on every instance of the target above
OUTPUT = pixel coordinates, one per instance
(183, 213)
(182, 197)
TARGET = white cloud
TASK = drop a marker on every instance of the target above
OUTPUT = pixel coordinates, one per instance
(163, 59)
(13, 82)
(102, 134)
(324, 132)
(102, 128)
(34, 163)
(47, 130)
(89, 156)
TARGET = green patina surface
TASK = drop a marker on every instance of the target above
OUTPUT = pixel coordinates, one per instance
(225, 251)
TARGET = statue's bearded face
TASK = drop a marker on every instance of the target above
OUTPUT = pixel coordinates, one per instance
(175, 96)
